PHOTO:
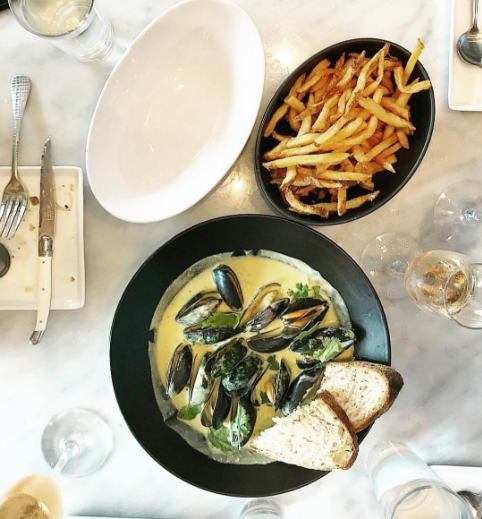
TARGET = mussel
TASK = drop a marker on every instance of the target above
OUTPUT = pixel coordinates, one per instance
(240, 381)
(179, 369)
(272, 388)
(229, 287)
(306, 363)
(227, 358)
(209, 335)
(314, 340)
(269, 342)
(199, 307)
(264, 308)
(217, 407)
(300, 388)
(242, 422)
(202, 382)
(305, 312)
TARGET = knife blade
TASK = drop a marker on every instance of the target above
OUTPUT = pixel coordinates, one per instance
(46, 242)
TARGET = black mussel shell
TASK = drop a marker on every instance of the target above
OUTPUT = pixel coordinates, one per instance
(240, 381)
(300, 388)
(241, 438)
(227, 358)
(305, 312)
(266, 316)
(265, 306)
(217, 408)
(179, 370)
(313, 341)
(208, 335)
(281, 384)
(202, 382)
(198, 308)
(307, 363)
(273, 344)
(229, 287)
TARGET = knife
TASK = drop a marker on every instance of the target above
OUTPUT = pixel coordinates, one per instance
(45, 242)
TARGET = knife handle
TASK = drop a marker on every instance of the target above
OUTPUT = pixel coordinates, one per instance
(43, 298)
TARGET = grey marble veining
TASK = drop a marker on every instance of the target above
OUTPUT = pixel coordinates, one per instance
(437, 413)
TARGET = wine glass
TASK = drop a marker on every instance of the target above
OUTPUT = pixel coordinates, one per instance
(445, 283)
(75, 443)
(261, 509)
(458, 214)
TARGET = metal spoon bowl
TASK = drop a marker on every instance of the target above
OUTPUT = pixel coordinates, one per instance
(469, 46)
(474, 501)
(4, 260)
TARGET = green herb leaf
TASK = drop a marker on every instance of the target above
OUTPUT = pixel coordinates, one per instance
(332, 347)
(240, 427)
(189, 412)
(303, 291)
(264, 398)
(221, 320)
(220, 439)
(273, 363)
(316, 292)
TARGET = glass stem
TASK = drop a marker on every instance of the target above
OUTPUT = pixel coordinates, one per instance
(473, 214)
(69, 450)
(399, 266)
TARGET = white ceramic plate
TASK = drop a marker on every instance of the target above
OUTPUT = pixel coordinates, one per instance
(18, 288)
(176, 111)
(465, 81)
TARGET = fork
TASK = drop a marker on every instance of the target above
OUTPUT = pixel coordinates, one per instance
(15, 196)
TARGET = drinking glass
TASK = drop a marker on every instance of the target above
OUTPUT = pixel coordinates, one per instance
(74, 26)
(445, 283)
(406, 488)
(76, 443)
(261, 509)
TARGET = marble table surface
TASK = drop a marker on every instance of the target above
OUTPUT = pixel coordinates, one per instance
(437, 413)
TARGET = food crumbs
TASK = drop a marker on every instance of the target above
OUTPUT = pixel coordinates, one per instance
(72, 187)
(72, 279)
(34, 200)
(28, 289)
(32, 227)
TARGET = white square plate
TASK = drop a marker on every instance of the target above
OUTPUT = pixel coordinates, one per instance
(465, 81)
(18, 288)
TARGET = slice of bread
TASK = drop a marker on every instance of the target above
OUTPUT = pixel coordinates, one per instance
(316, 436)
(364, 390)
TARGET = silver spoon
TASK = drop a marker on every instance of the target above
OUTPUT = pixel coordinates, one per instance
(4, 260)
(469, 45)
(475, 502)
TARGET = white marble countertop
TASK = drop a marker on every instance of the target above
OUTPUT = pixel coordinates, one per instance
(437, 413)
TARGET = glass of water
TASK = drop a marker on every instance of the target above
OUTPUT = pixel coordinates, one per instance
(74, 26)
(261, 509)
(406, 487)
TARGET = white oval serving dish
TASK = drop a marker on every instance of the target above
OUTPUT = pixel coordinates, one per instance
(176, 111)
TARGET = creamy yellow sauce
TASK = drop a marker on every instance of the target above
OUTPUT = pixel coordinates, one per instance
(253, 272)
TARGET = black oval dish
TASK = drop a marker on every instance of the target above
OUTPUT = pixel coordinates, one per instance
(130, 368)
(423, 118)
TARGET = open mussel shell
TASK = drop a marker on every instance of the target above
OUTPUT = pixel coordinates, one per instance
(202, 383)
(269, 342)
(281, 383)
(208, 335)
(272, 388)
(314, 340)
(198, 308)
(306, 382)
(217, 407)
(305, 312)
(229, 287)
(227, 357)
(307, 363)
(179, 369)
(240, 381)
(242, 407)
(266, 305)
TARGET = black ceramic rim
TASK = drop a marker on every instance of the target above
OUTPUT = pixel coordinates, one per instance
(316, 474)
(368, 208)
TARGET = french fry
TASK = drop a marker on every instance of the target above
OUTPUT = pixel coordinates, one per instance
(331, 132)
(298, 206)
(320, 123)
(383, 115)
(295, 103)
(295, 125)
(276, 151)
(290, 177)
(394, 107)
(350, 129)
(322, 158)
(359, 154)
(302, 140)
(279, 137)
(398, 74)
(341, 201)
(303, 150)
(354, 203)
(344, 175)
(403, 139)
(277, 116)
(391, 150)
(388, 132)
(381, 147)
(419, 46)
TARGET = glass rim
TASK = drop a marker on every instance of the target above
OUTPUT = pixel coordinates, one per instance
(429, 487)
(54, 36)
(464, 268)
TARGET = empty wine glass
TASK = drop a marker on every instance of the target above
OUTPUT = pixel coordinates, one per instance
(261, 509)
(76, 443)
(445, 283)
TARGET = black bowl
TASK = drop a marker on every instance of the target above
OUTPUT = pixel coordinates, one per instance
(131, 373)
(423, 117)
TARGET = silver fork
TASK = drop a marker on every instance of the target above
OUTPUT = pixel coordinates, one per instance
(15, 196)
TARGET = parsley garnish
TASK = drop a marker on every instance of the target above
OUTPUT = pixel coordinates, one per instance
(273, 363)
(264, 398)
(220, 439)
(304, 291)
(220, 320)
(189, 412)
(240, 427)
(332, 347)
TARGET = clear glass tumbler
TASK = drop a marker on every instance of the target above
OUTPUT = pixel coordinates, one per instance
(74, 26)
(261, 509)
(406, 487)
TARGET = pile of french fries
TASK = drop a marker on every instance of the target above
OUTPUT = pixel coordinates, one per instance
(350, 120)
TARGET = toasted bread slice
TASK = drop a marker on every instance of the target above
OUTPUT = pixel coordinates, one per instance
(364, 390)
(316, 436)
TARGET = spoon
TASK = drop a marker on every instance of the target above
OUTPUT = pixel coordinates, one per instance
(4, 260)
(474, 501)
(469, 46)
